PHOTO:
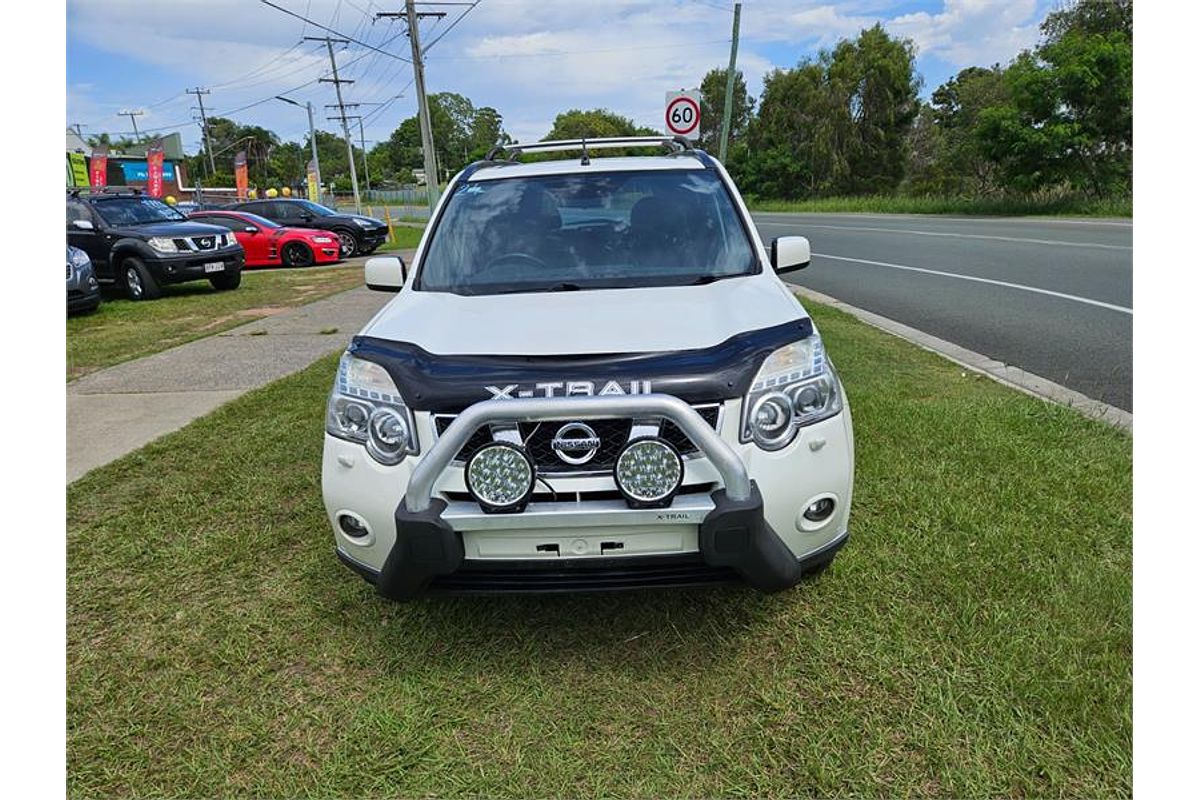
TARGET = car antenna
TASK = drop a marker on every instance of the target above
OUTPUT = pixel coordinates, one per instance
(585, 161)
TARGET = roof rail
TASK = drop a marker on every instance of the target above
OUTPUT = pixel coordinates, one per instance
(677, 143)
(114, 190)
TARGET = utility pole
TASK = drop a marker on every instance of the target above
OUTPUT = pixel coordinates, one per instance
(411, 17)
(78, 129)
(337, 85)
(132, 118)
(362, 139)
(204, 124)
(727, 118)
(312, 138)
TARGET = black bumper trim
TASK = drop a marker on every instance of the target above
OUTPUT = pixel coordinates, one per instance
(735, 542)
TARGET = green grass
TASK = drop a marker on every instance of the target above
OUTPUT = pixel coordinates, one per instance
(123, 329)
(406, 238)
(888, 204)
(973, 639)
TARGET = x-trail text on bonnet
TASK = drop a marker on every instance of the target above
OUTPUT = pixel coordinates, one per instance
(591, 378)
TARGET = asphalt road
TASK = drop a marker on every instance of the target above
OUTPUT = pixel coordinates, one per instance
(1051, 296)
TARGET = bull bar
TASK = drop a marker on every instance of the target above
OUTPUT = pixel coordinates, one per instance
(733, 532)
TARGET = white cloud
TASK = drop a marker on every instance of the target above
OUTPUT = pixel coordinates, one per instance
(531, 59)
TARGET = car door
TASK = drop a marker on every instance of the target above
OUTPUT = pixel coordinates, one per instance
(91, 240)
(253, 239)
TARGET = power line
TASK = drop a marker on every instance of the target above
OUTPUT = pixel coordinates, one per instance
(331, 30)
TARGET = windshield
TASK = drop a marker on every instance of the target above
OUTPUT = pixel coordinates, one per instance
(136, 211)
(599, 231)
(316, 208)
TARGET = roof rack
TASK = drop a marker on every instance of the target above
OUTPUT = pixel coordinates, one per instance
(111, 190)
(678, 144)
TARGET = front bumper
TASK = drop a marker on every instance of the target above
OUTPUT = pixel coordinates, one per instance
(190, 267)
(430, 538)
(86, 298)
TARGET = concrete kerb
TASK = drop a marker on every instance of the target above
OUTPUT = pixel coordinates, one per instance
(1006, 374)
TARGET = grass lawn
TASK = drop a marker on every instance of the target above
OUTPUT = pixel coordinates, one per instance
(406, 238)
(973, 639)
(881, 204)
(123, 329)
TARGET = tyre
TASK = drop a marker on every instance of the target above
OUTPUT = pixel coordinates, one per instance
(349, 242)
(138, 282)
(296, 254)
(226, 280)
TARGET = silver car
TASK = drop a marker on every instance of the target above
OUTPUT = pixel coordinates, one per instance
(83, 293)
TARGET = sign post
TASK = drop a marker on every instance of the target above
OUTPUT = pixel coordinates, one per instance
(683, 114)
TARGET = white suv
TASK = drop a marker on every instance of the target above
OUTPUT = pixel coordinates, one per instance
(593, 378)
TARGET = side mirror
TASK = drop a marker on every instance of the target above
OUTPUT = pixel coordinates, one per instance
(790, 253)
(249, 229)
(83, 225)
(385, 273)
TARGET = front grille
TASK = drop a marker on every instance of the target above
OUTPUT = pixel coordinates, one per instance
(591, 575)
(613, 434)
(205, 242)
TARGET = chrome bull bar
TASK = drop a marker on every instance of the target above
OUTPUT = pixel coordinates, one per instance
(538, 409)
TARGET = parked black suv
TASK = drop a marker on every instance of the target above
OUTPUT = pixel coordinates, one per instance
(359, 235)
(139, 243)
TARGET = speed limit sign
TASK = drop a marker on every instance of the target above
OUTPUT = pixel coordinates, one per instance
(683, 113)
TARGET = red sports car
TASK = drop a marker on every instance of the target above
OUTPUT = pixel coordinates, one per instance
(269, 244)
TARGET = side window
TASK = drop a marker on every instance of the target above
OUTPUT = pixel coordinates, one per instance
(77, 210)
(229, 223)
(268, 210)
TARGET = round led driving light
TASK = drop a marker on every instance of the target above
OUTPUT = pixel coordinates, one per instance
(387, 439)
(500, 477)
(771, 420)
(648, 472)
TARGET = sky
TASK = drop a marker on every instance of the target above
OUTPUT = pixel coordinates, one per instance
(530, 59)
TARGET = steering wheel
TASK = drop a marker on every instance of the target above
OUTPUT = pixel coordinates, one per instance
(513, 259)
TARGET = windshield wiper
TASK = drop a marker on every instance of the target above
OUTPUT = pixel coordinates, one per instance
(554, 287)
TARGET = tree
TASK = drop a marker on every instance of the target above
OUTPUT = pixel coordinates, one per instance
(954, 112)
(874, 89)
(1070, 121)
(594, 124)
(712, 108)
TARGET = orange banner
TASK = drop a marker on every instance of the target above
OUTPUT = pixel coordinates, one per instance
(241, 175)
(154, 169)
(99, 167)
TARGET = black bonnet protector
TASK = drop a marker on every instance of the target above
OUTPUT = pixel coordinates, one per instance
(450, 383)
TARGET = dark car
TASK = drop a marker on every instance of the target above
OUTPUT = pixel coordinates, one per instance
(83, 292)
(359, 235)
(139, 243)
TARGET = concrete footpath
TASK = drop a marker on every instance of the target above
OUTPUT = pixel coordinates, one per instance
(117, 410)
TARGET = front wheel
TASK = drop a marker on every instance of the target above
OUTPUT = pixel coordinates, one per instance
(296, 254)
(226, 281)
(139, 283)
(349, 243)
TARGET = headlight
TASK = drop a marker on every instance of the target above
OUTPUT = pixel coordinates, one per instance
(500, 477)
(796, 386)
(163, 244)
(322, 240)
(367, 222)
(365, 407)
(78, 259)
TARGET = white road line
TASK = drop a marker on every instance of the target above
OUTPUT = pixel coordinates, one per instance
(1005, 284)
(958, 235)
(939, 218)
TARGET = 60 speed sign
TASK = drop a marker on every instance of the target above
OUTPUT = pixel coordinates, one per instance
(683, 113)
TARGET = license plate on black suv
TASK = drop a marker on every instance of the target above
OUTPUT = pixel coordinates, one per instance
(214, 266)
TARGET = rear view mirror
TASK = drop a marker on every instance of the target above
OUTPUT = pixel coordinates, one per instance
(790, 253)
(385, 273)
(83, 225)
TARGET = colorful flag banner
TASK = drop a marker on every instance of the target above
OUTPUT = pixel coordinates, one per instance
(154, 169)
(241, 174)
(99, 166)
